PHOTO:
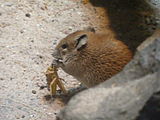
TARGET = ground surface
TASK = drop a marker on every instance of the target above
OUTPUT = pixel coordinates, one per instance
(29, 29)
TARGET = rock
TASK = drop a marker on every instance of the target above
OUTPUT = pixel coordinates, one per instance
(9, 4)
(28, 15)
(154, 3)
(124, 95)
(34, 92)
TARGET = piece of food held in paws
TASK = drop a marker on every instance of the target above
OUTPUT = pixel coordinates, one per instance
(53, 80)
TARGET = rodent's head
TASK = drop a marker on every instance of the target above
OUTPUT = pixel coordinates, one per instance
(70, 47)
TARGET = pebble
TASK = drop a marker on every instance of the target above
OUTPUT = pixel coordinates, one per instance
(34, 92)
(28, 15)
(40, 56)
(55, 113)
(31, 115)
(23, 116)
(54, 42)
(9, 4)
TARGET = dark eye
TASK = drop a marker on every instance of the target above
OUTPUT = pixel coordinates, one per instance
(64, 46)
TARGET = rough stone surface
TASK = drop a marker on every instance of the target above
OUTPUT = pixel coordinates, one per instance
(155, 3)
(124, 95)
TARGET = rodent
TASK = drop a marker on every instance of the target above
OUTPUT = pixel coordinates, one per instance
(91, 57)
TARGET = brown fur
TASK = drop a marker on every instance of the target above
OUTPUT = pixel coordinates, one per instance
(102, 57)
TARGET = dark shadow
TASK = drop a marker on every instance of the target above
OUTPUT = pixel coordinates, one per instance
(64, 97)
(128, 19)
(151, 111)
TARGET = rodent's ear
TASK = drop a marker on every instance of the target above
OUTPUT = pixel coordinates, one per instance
(81, 41)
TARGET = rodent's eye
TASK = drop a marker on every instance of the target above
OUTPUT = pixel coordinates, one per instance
(64, 46)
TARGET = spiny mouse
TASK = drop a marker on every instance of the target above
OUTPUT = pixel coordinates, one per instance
(91, 57)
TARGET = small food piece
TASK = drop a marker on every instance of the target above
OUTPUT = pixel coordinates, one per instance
(53, 80)
(85, 1)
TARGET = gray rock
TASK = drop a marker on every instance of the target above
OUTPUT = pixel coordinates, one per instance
(124, 95)
(154, 3)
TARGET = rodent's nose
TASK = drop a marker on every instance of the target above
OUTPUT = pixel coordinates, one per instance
(55, 62)
(55, 54)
